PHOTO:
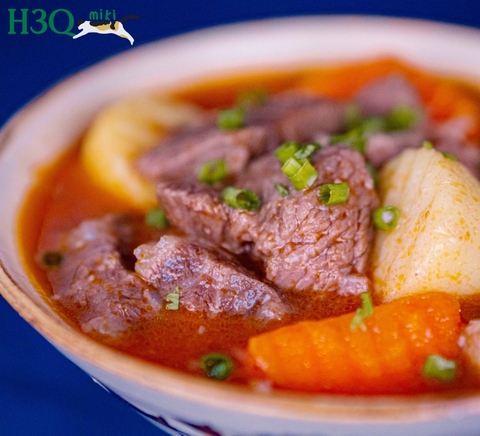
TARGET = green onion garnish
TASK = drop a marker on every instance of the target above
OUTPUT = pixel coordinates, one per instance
(157, 218)
(449, 156)
(301, 173)
(386, 218)
(231, 119)
(212, 171)
(439, 368)
(362, 312)
(373, 125)
(286, 151)
(352, 117)
(174, 299)
(282, 189)
(353, 137)
(307, 151)
(428, 145)
(217, 365)
(294, 149)
(373, 173)
(251, 98)
(354, 121)
(401, 118)
(332, 194)
(241, 198)
(52, 259)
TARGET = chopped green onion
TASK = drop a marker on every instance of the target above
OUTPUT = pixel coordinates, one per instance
(373, 125)
(241, 198)
(157, 218)
(401, 118)
(362, 312)
(282, 189)
(449, 156)
(386, 218)
(212, 171)
(439, 368)
(294, 149)
(307, 151)
(174, 299)
(301, 173)
(52, 259)
(231, 119)
(353, 116)
(286, 151)
(251, 98)
(428, 145)
(373, 173)
(217, 365)
(354, 137)
(332, 194)
(359, 144)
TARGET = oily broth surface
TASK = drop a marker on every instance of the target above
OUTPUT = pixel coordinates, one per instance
(64, 195)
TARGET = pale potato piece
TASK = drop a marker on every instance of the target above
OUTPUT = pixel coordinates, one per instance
(436, 244)
(120, 133)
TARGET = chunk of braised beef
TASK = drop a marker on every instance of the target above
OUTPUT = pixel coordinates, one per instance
(181, 156)
(197, 211)
(92, 280)
(452, 137)
(292, 117)
(206, 279)
(307, 245)
(383, 95)
(380, 98)
(262, 175)
(381, 147)
(281, 118)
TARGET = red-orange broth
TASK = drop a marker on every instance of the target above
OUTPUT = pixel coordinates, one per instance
(64, 195)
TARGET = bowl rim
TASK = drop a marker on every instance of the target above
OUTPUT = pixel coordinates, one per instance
(286, 405)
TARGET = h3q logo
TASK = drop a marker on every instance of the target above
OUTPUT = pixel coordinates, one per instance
(98, 23)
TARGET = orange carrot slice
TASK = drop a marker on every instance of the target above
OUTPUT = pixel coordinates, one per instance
(387, 357)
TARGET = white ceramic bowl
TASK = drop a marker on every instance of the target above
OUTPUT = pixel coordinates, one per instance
(53, 121)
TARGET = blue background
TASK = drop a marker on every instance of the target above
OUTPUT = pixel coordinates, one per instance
(41, 392)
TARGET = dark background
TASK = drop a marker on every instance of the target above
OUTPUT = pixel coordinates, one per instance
(41, 392)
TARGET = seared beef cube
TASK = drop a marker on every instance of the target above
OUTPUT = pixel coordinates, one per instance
(293, 117)
(206, 279)
(93, 282)
(286, 117)
(181, 156)
(452, 137)
(262, 175)
(381, 147)
(198, 212)
(307, 245)
(382, 96)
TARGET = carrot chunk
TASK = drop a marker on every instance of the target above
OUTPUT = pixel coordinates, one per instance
(385, 358)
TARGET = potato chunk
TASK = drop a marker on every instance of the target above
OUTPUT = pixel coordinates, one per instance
(120, 133)
(436, 244)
